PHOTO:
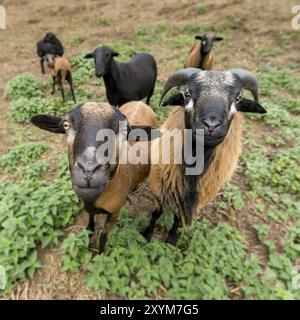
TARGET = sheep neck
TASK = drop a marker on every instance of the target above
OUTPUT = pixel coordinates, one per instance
(112, 78)
(202, 58)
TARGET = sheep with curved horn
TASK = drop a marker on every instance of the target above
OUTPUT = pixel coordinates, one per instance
(211, 101)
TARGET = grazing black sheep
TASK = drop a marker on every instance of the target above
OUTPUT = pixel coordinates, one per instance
(49, 45)
(124, 82)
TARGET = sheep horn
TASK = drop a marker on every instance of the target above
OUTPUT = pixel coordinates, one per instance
(178, 79)
(249, 81)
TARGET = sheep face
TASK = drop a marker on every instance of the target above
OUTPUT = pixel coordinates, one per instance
(88, 127)
(207, 41)
(102, 57)
(211, 98)
(90, 170)
(50, 60)
(210, 102)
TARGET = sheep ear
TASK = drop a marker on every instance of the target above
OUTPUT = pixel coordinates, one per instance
(89, 55)
(247, 105)
(142, 133)
(115, 54)
(176, 99)
(48, 123)
(218, 38)
(198, 37)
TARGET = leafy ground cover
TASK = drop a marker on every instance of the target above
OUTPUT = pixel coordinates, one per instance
(246, 245)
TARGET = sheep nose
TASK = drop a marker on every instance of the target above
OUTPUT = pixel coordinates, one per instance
(211, 123)
(100, 73)
(88, 170)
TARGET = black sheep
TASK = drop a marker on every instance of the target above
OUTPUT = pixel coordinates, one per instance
(49, 45)
(124, 82)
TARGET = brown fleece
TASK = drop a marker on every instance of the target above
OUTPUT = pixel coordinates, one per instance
(224, 163)
(208, 61)
(128, 176)
(139, 113)
(194, 58)
(61, 64)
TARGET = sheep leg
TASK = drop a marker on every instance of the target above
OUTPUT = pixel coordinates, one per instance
(42, 65)
(53, 85)
(62, 93)
(91, 224)
(92, 211)
(70, 82)
(60, 85)
(148, 232)
(110, 221)
(149, 96)
(172, 235)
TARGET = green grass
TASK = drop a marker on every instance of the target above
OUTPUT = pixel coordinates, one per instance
(104, 21)
(77, 40)
(24, 85)
(33, 212)
(272, 78)
(202, 9)
(84, 69)
(23, 109)
(273, 177)
(206, 260)
(161, 30)
(22, 154)
(233, 198)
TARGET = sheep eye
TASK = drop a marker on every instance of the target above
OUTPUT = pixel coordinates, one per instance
(66, 125)
(239, 97)
(187, 95)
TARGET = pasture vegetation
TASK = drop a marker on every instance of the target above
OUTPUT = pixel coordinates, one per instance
(77, 40)
(213, 260)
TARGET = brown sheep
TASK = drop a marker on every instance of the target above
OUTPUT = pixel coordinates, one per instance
(60, 69)
(202, 55)
(101, 183)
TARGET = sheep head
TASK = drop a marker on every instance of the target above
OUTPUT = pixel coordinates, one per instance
(207, 40)
(211, 98)
(102, 57)
(49, 37)
(92, 132)
(50, 60)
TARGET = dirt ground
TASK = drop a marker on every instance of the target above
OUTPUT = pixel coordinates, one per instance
(254, 26)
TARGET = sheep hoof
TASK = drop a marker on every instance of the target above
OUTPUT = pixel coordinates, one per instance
(100, 251)
(102, 242)
(146, 234)
(171, 239)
